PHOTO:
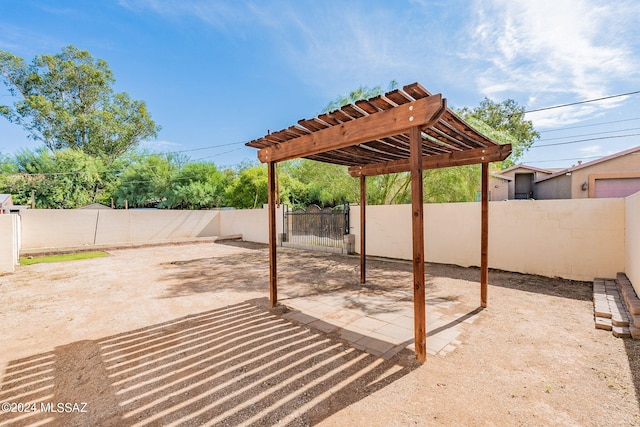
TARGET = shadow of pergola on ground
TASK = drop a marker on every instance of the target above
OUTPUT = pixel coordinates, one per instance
(239, 365)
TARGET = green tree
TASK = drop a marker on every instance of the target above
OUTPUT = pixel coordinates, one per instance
(362, 92)
(67, 101)
(196, 186)
(319, 183)
(505, 123)
(249, 189)
(146, 182)
(65, 179)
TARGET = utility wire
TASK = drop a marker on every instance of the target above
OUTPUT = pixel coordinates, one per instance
(585, 140)
(589, 125)
(582, 102)
(589, 134)
(565, 160)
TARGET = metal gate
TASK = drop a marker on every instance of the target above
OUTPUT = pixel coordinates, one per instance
(317, 227)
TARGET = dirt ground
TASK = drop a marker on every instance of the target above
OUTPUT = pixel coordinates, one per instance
(182, 335)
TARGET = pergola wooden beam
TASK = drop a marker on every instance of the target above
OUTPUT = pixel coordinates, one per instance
(494, 153)
(417, 226)
(363, 228)
(272, 197)
(484, 236)
(375, 126)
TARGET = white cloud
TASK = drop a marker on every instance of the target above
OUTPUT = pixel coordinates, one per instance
(160, 145)
(549, 49)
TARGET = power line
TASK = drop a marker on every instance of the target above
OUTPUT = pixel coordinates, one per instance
(565, 160)
(590, 134)
(198, 149)
(589, 125)
(585, 140)
(582, 102)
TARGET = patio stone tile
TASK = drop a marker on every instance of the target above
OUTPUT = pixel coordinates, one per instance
(350, 336)
(323, 326)
(390, 316)
(396, 332)
(367, 323)
(448, 349)
(299, 316)
(406, 321)
(395, 340)
(342, 317)
(435, 325)
(603, 323)
(447, 334)
(320, 310)
(374, 345)
(436, 344)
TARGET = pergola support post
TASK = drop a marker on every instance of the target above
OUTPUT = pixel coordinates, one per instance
(484, 239)
(363, 229)
(272, 197)
(417, 223)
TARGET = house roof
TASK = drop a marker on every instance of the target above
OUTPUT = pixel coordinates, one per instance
(523, 166)
(372, 136)
(591, 163)
(499, 176)
(4, 198)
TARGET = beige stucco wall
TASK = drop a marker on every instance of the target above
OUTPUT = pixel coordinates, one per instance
(624, 164)
(9, 242)
(632, 240)
(57, 228)
(573, 239)
(252, 224)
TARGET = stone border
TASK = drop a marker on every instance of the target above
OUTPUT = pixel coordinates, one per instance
(616, 307)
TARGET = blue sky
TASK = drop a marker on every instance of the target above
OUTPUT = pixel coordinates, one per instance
(215, 74)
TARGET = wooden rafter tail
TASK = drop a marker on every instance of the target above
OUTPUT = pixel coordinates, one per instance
(375, 126)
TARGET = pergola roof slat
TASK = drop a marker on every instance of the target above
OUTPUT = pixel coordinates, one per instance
(393, 116)
(416, 90)
(399, 97)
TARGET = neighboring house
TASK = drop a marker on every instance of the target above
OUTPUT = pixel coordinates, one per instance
(617, 175)
(522, 179)
(498, 187)
(5, 202)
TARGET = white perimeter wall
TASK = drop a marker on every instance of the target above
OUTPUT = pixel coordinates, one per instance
(573, 239)
(632, 240)
(57, 228)
(9, 242)
(253, 224)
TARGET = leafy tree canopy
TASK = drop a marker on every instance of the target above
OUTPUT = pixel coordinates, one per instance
(504, 122)
(67, 101)
(362, 92)
(65, 179)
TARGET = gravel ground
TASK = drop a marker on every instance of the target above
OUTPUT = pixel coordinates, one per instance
(182, 335)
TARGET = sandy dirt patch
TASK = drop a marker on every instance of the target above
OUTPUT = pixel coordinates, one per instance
(182, 335)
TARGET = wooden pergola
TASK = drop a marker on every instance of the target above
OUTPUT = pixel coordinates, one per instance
(408, 130)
